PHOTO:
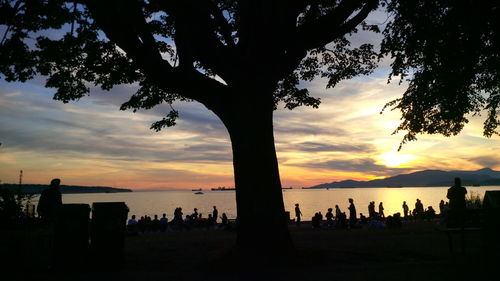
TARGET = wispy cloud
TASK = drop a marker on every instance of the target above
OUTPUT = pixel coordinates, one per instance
(92, 142)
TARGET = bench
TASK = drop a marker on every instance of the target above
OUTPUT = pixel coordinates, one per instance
(450, 231)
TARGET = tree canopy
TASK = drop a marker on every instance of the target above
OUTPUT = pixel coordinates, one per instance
(450, 53)
(448, 50)
(175, 49)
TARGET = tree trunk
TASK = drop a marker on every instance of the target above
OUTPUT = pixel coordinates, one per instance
(262, 226)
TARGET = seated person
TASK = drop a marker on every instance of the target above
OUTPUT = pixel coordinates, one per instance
(132, 225)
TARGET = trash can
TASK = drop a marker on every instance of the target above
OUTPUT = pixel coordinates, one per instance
(71, 235)
(107, 231)
(491, 223)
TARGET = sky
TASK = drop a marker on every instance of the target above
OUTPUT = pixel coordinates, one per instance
(91, 142)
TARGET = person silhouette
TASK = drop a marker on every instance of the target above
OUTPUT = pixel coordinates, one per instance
(298, 214)
(215, 214)
(50, 201)
(371, 210)
(338, 213)
(405, 209)
(352, 213)
(381, 210)
(419, 209)
(456, 194)
(329, 217)
(441, 207)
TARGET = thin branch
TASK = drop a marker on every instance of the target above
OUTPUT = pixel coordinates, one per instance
(5, 34)
(221, 21)
(74, 19)
(327, 28)
(195, 37)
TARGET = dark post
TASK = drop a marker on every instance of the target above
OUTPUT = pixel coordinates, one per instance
(107, 232)
(71, 235)
(491, 224)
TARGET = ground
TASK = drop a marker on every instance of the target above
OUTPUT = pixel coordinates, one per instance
(417, 251)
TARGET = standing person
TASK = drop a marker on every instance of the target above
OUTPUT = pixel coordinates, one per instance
(215, 214)
(352, 213)
(405, 209)
(50, 201)
(163, 223)
(456, 194)
(419, 209)
(371, 210)
(298, 214)
(381, 210)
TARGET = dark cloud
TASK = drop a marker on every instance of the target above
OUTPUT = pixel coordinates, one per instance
(113, 148)
(486, 161)
(114, 97)
(321, 147)
(296, 128)
(80, 124)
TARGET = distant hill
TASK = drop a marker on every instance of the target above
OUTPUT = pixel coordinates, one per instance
(65, 189)
(484, 176)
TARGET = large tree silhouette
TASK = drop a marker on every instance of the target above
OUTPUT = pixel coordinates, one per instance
(240, 59)
(243, 58)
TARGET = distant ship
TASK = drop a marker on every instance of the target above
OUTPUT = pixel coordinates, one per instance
(197, 189)
(198, 192)
(223, 188)
(286, 187)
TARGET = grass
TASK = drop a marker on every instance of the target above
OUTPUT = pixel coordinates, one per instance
(416, 252)
(473, 200)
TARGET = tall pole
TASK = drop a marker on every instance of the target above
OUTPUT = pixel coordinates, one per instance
(20, 178)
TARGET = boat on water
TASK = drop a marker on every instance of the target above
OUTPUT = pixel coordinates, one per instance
(199, 192)
(197, 189)
(222, 188)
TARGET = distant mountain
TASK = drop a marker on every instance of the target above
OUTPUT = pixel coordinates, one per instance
(65, 189)
(484, 176)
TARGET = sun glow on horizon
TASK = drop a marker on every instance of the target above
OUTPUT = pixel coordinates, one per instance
(395, 159)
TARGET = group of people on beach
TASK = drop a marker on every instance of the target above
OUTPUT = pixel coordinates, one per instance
(332, 219)
(178, 222)
(456, 195)
(375, 219)
(50, 201)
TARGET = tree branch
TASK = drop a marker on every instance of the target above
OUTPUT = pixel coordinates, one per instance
(318, 33)
(221, 21)
(128, 29)
(196, 37)
(335, 24)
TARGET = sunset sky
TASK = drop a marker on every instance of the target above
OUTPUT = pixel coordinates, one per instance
(92, 142)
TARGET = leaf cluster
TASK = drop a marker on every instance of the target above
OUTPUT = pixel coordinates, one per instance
(12, 204)
(449, 51)
(174, 50)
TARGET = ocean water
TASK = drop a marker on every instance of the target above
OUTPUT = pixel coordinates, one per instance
(311, 200)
